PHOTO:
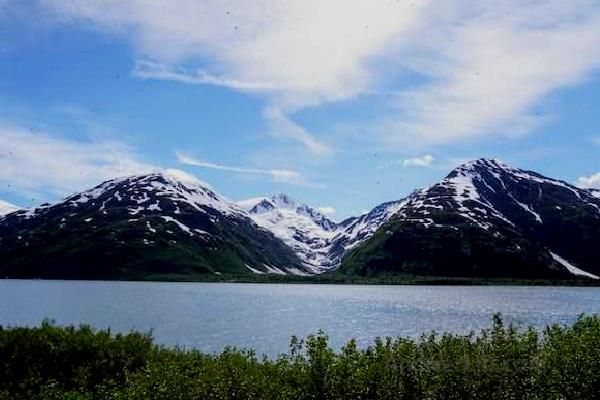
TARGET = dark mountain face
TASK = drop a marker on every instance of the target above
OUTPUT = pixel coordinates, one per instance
(150, 224)
(487, 219)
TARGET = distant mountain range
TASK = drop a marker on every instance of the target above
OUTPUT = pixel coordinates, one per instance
(485, 219)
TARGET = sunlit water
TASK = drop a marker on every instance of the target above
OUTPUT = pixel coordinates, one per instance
(210, 316)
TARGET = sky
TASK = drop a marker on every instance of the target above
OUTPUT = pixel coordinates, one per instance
(342, 104)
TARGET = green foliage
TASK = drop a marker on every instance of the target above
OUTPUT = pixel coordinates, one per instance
(503, 362)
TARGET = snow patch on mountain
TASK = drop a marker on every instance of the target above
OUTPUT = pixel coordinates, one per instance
(356, 230)
(572, 269)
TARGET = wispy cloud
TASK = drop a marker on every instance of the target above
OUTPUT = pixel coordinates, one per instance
(424, 161)
(298, 53)
(490, 63)
(159, 71)
(486, 66)
(276, 175)
(282, 126)
(46, 165)
(592, 181)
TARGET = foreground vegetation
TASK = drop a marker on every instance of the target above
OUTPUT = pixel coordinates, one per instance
(503, 362)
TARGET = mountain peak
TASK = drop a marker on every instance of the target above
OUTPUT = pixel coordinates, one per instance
(284, 203)
(478, 164)
(283, 200)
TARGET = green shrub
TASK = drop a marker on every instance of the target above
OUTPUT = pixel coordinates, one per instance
(503, 362)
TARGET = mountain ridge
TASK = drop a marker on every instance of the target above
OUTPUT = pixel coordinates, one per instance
(484, 218)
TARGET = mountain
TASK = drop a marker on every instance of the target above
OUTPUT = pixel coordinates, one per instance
(153, 224)
(7, 208)
(304, 229)
(484, 219)
(318, 241)
(487, 219)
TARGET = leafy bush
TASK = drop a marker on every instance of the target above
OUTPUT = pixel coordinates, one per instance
(503, 362)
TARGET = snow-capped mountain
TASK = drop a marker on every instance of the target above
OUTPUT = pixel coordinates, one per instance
(485, 219)
(151, 224)
(489, 219)
(318, 241)
(7, 208)
(301, 227)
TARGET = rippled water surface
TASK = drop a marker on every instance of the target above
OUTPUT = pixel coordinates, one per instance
(209, 316)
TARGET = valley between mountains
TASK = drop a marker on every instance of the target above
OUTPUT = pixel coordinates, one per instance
(484, 220)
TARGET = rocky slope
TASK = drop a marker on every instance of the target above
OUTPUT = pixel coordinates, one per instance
(487, 219)
(141, 225)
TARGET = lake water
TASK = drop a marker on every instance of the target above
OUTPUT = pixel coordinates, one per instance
(209, 316)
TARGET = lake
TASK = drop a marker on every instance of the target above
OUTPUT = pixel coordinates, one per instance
(210, 316)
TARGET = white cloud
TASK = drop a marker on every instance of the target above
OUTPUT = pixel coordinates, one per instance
(490, 63)
(33, 163)
(276, 175)
(326, 210)
(301, 46)
(302, 52)
(486, 65)
(424, 161)
(592, 181)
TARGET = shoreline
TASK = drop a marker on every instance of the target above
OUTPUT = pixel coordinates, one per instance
(329, 280)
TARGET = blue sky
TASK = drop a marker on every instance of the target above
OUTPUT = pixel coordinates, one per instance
(342, 104)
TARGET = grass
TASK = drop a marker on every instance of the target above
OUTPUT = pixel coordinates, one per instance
(502, 362)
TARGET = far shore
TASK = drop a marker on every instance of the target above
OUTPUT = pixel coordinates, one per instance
(330, 279)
